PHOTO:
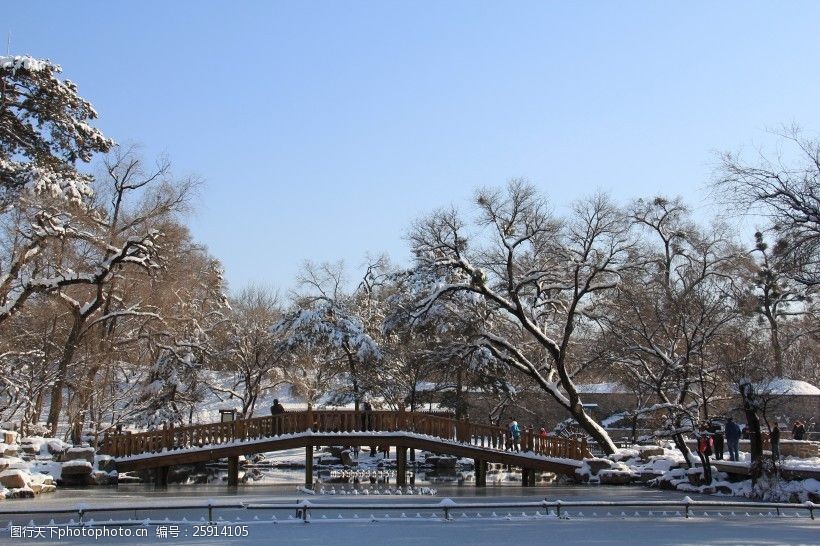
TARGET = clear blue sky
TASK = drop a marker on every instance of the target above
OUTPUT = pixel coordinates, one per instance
(324, 128)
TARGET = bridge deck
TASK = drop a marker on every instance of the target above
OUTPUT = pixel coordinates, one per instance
(199, 443)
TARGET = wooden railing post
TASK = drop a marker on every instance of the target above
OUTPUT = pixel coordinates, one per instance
(309, 418)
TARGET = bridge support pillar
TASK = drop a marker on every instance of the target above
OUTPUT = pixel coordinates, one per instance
(480, 473)
(401, 466)
(309, 467)
(161, 476)
(233, 471)
(527, 477)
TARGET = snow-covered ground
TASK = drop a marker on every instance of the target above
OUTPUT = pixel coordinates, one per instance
(669, 470)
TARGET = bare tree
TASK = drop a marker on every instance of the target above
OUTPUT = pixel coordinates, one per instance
(787, 190)
(328, 320)
(776, 298)
(108, 228)
(671, 312)
(538, 277)
(253, 357)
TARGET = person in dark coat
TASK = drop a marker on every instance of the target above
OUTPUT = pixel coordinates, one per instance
(774, 440)
(798, 431)
(367, 416)
(732, 433)
(717, 438)
(276, 411)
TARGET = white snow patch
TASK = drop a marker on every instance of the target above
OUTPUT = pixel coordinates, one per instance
(601, 388)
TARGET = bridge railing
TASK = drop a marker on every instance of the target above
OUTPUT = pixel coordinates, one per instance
(171, 438)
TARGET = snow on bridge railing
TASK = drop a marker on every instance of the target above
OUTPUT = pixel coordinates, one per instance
(302, 510)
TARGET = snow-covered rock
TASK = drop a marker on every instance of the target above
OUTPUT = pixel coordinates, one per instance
(79, 454)
(13, 479)
(76, 472)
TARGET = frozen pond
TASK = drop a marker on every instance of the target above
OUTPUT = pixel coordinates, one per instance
(137, 494)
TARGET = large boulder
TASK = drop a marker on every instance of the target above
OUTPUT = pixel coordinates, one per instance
(649, 452)
(442, 462)
(78, 454)
(597, 465)
(103, 478)
(76, 472)
(30, 448)
(648, 475)
(614, 477)
(21, 493)
(696, 477)
(106, 463)
(56, 446)
(347, 458)
(41, 479)
(13, 479)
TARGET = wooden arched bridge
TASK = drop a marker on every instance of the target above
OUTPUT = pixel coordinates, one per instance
(160, 449)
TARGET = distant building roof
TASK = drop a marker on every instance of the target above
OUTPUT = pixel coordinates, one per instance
(781, 385)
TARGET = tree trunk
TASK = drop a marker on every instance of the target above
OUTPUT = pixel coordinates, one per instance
(576, 409)
(753, 426)
(352, 365)
(592, 428)
(70, 347)
(776, 350)
(707, 467)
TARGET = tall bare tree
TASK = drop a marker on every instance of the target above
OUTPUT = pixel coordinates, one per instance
(254, 360)
(672, 311)
(784, 186)
(539, 278)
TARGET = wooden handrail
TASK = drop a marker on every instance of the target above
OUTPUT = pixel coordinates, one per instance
(170, 438)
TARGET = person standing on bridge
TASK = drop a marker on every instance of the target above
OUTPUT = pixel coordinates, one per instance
(367, 416)
(732, 431)
(515, 435)
(276, 411)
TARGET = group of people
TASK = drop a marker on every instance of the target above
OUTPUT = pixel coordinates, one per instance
(711, 438)
(514, 435)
